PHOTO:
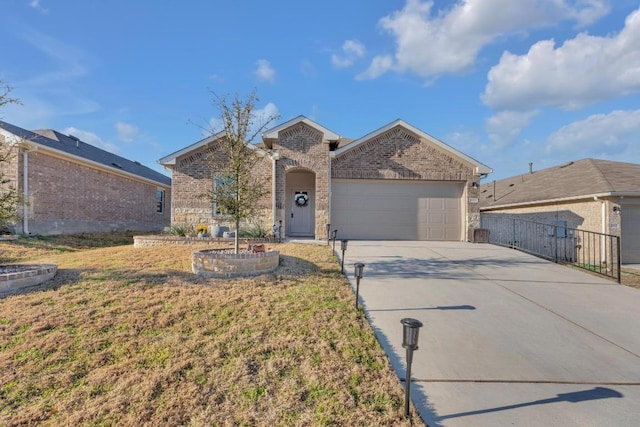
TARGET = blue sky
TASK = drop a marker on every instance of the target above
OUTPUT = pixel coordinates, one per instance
(507, 82)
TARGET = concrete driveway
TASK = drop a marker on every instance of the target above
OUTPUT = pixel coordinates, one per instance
(508, 338)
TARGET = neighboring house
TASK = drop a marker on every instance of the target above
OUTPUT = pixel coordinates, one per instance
(594, 195)
(73, 187)
(396, 182)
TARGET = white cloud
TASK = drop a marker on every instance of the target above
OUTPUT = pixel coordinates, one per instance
(583, 70)
(599, 135)
(352, 50)
(430, 44)
(505, 127)
(37, 6)
(127, 132)
(264, 72)
(91, 138)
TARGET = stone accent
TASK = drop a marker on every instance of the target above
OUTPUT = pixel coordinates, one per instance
(30, 275)
(153, 241)
(221, 264)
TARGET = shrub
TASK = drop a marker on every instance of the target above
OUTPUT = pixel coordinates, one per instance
(202, 228)
(178, 229)
(255, 231)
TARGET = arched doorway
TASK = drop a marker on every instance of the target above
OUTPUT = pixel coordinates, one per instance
(300, 203)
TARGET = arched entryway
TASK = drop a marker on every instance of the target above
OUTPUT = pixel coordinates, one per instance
(300, 203)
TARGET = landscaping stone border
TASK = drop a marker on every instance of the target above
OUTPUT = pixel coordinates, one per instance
(159, 240)
(28, 275)
(222, 264)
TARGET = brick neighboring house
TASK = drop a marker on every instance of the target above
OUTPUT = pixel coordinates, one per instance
(396, 182)
(74, 187)
(589, 194)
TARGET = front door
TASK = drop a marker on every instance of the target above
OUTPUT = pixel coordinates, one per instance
(301, 217)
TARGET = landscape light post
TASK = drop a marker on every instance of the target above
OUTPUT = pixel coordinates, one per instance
(328, 234)
(410, 329)
(343, 246)
(335, 233)
(359, 269)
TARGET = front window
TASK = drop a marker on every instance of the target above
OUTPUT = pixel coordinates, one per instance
(159, 201)
(224, 196)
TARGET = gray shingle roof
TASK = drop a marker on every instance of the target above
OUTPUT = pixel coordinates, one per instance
(573, 180)
(57, 141)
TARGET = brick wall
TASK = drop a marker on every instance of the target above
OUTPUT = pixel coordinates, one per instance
(399, 154)
(192, 183)
(69, 197)
(301, 148)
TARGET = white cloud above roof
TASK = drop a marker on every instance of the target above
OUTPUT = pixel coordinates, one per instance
(352, 50)
(504, 127)
(581, 71)
(264, 71)
(127, 132)
(599, 134)
(91, 138)
(431, 44)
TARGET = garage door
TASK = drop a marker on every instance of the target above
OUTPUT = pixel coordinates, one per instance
(630, 238)
(397, 210)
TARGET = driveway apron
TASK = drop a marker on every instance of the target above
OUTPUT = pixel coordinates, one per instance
(508, 338)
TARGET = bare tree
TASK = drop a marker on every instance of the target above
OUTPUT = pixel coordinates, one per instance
(9, 196)
(236, 189)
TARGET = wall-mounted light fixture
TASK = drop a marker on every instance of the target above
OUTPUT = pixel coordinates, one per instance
(617, 209)
(475, 185)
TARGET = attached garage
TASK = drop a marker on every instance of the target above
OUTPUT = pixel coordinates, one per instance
(630, 236)
(397, 210)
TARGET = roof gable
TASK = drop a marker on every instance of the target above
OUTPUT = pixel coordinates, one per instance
(479, 167)
(272, 134)
(573, 180)
(170, 160)
(74, 148)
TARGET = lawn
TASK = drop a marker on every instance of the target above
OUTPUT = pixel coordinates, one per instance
(129, 336)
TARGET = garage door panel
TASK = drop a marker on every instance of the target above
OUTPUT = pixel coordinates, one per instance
(630, 237)
(407, 210)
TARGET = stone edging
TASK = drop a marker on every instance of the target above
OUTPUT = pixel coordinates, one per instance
(32, 275)
(159, 240)
(222, 264)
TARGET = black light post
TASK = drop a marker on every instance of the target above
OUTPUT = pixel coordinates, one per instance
(280, 231)
(343, 246)
(328, 234)
(359, 269)
(335, 233)
(410, 329)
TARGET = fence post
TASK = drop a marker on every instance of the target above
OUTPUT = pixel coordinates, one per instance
(513, 235)
(619, 260)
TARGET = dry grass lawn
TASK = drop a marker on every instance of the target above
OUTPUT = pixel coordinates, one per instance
(126, 336)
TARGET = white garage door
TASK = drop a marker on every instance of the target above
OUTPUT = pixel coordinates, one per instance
(397, 210)
(630, 238)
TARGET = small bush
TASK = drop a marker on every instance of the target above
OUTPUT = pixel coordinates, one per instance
(179, 230)
(202, 229)
(255, 231)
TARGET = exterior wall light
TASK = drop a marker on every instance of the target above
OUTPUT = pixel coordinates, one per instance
(410, 329)
(475, 185)
(359, 269)
(343, 246)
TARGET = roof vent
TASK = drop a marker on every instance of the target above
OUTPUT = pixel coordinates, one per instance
(566, 164)
(137, 162)
(76, 139)
(116, 165)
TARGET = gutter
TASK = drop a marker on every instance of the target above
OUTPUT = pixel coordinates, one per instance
(25, 186)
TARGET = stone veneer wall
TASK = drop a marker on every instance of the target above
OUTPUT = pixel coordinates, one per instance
(152, 241)
(301, 148)
(399, 154)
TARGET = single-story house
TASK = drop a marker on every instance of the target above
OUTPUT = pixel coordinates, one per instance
(396, 182)
(595, 195)
(72, 187)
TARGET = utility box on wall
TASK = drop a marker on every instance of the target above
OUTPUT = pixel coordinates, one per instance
(480, 235)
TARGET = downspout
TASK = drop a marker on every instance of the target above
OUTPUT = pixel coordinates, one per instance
(25, 188)
(275, 156)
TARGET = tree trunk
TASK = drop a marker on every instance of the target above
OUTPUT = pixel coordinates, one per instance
(237, 237)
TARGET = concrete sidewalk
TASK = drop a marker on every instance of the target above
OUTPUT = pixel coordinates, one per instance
(509, 339)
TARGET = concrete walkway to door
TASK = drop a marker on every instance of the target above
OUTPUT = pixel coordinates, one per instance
(508, 338)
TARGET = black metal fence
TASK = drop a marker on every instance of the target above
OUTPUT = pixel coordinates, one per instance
(596, 252)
